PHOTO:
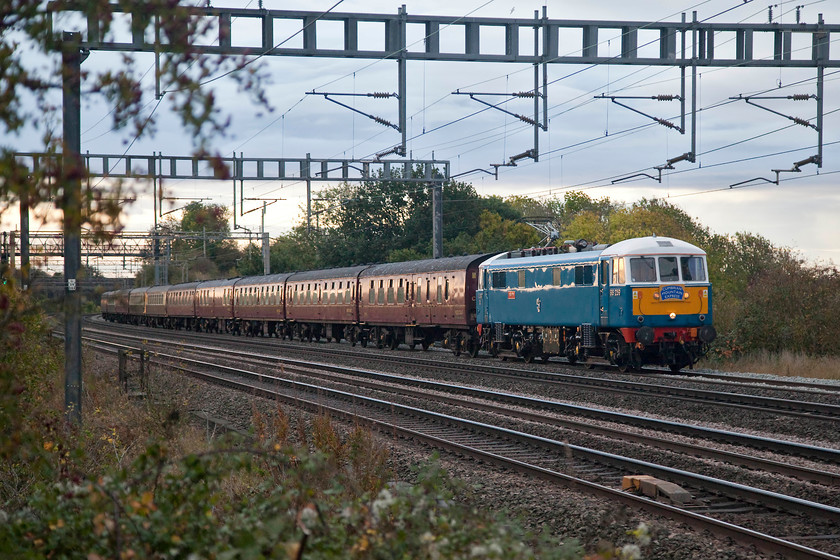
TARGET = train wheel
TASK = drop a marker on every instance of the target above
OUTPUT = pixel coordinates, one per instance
(473, 347)
(425, 344)
(393, 340)
(528, 355)
(675, 368)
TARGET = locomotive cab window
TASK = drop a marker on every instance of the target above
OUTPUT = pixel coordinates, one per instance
(668, 271)
(498, 280)
(693, 269)
(642, 269)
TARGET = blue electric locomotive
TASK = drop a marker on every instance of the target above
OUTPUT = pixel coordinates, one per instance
(640, 301)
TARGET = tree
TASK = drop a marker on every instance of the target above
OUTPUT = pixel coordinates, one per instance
(29, 57)
(392, 220)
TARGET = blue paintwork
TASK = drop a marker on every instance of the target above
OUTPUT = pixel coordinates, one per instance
(540, 303)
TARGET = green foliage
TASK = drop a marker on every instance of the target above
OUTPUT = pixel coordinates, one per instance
(29, 355)
(392, 221)
(497, 234)
(29, 45)
(167, 507)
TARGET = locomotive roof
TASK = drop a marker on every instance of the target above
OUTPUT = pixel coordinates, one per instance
(652, 245)
(427, 265)
(502, 261)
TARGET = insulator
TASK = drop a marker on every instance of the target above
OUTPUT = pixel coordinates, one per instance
(382, 121)
(665, 97)
(800, 97)
(525, 94)
(526, 120)
(663, 122)
(380, 94)
(803, 122)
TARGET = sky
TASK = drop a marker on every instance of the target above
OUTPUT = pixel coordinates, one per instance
(589, 143)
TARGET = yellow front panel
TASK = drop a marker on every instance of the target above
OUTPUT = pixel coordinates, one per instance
(661, 300)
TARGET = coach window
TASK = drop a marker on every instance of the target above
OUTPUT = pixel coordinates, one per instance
(520, 278)
(440, 290)
(380, 295)
(668, 271)
(446, 290)
(419, 291)
(401, 292)
(391, 291)
(371, 293)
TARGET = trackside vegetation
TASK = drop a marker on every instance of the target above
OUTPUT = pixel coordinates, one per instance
(138, 480)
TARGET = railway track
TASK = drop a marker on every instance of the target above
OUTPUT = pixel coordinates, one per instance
(539, 456)
(776, 405)
(501, 402)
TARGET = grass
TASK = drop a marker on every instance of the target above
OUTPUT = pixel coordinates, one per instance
(789, 364)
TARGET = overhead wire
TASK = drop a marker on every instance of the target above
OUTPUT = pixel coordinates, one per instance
(560, 149)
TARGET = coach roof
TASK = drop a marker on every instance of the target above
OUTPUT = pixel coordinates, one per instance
(427, 265)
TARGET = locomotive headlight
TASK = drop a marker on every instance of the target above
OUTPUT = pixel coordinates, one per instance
(685, 295)
(672, 315)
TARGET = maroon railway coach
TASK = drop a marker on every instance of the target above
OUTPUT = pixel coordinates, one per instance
(258, 305)
(324, 303)
(214, 305)
(419, 302)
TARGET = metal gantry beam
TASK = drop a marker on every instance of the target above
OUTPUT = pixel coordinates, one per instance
(393, 38)
(121, 245)
(242, 168)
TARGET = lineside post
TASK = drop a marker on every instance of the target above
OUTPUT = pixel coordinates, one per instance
(72, 170)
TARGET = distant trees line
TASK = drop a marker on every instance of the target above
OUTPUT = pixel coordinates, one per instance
(766, 297)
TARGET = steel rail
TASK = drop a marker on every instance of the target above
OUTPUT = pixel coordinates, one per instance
(766, 497)
(759, 442)
(762, 541)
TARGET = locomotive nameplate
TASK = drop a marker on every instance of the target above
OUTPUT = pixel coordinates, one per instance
(672, 292)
